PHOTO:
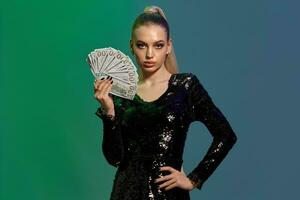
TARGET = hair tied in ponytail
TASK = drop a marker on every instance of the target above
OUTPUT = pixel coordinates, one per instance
(154, 9)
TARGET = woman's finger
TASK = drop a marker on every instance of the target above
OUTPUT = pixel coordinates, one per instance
(173, 185)
(107, 89)
(102, 84)
(98, 89)
(171, 169)
(164, 178)
(101, 87)
(97, 81)
(167, 183)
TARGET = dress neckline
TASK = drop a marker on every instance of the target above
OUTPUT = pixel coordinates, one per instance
(161, 96)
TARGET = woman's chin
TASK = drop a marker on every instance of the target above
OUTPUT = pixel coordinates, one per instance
(149, 69)
(148, 66)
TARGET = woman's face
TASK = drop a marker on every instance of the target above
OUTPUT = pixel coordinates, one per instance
(150, 45)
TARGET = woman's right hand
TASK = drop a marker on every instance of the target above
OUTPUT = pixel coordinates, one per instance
(101, 92)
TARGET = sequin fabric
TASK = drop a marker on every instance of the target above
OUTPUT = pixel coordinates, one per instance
(147, 135)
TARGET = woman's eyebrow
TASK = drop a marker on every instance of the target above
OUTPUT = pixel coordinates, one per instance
(141, 41)
(154, 42)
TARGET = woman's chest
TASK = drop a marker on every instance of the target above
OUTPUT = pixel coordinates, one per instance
(171, 110)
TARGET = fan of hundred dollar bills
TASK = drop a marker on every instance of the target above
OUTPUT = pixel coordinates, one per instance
(111, 62)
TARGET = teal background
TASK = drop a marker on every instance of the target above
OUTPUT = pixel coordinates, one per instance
(245, 53)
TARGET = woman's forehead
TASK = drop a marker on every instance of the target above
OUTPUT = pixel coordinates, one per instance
(150, 33)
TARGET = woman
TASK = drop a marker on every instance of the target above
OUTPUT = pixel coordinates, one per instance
(144, 137)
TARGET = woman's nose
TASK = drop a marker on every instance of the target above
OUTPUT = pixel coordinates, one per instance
(149, 53)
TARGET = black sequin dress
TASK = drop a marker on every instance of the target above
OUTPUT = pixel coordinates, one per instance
(147, 135)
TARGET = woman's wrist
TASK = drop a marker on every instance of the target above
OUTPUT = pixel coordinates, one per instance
(194, 184)
(110, 114)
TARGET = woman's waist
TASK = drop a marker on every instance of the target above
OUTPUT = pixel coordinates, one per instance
(154, 160)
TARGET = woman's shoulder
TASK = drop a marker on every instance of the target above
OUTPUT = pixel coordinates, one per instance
(185, 78)
(185, 75)
(191, 83)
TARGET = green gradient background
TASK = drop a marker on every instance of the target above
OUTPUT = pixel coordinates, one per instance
(246, 53)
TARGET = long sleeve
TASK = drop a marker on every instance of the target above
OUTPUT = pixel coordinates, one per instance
(112, 143)
(203, 109)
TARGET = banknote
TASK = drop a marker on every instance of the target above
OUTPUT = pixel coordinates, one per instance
(108, 61)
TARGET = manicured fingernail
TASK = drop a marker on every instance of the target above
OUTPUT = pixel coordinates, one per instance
(102, 78)
(111, 82)
(110, 78)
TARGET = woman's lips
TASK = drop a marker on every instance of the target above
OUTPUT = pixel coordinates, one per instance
(149, 64)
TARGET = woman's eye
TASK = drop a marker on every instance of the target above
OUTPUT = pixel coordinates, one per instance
(159, 46)
(140, 46)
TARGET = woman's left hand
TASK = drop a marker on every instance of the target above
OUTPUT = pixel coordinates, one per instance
(175, 179)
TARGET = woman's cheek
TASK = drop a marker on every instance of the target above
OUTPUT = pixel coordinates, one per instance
(138, 58)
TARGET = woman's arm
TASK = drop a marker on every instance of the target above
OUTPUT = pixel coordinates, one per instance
(112, 142)
(203, 109)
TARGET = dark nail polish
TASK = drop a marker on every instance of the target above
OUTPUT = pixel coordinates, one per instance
(111, 82)
(110, 78)
(107, 77)
(102, 78)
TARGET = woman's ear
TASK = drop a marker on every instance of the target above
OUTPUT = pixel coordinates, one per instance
(169, 46)
(131, 47)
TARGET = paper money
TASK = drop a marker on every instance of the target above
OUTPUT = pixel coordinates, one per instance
(112, 62)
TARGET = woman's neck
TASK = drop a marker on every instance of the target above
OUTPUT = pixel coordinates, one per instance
(158, 76)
